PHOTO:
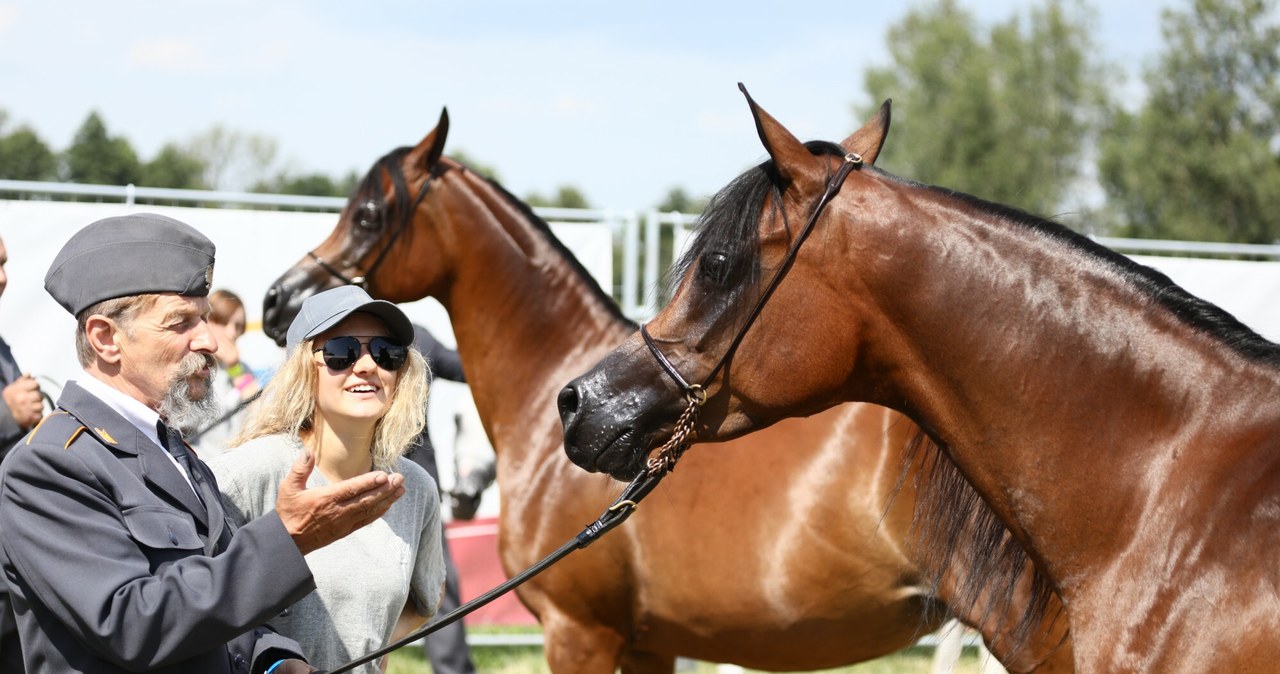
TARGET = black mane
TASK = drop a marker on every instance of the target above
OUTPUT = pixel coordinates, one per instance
(1199, 314)
(729, 225)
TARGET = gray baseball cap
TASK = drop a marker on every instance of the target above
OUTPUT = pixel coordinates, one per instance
(325, 310)
(133, 254)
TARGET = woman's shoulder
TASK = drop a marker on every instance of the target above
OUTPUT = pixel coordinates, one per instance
(258, 455)
(417, 480)
(412, 472)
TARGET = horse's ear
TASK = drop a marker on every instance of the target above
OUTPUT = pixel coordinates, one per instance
(428, 152)
(787, 151)
(868, 140)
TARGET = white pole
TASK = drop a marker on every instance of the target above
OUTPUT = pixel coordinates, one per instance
(947, 652)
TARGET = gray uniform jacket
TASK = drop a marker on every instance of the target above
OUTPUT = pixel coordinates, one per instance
(107, 554)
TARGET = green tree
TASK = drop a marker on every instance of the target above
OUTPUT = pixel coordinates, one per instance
(97, 158)
(312, 184)
(233, 160)
(566, 196)
(679, 201)
(1199, 159)
(24, 156)
(483, 169)
(174, 167)
(1005, 114)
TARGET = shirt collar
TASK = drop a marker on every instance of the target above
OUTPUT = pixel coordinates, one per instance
(137, 413)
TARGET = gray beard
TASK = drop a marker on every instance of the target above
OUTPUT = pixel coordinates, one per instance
(179, 409)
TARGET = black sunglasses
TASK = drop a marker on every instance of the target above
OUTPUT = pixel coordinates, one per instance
(341, 353)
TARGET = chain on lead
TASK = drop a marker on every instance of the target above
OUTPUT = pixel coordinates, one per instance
(664, 459)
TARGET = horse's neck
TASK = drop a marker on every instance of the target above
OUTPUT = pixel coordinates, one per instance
(1041, 369)
(526, 321)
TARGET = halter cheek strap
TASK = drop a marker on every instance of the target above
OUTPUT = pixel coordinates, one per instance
(323, 264)
(696, 394)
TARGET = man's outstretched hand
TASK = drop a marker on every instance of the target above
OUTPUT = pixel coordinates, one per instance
(319, 516)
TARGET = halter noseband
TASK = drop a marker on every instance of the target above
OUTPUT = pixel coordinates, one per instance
(696, 394)
(362, 279)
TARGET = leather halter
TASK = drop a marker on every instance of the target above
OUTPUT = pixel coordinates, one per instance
(362, 279)
(696, 394)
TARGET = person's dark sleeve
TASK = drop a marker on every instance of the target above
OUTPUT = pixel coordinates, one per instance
(75, 550)
(444, 361)
(10, 431)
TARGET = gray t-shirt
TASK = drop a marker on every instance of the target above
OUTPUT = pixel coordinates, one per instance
(362, 580)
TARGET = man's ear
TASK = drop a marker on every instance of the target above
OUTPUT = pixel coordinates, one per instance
(103, 335)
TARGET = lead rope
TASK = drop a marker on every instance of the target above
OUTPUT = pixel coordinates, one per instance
(664, 459)
(616, 514)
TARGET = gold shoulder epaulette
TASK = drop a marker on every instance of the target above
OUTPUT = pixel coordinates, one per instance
(75, 432)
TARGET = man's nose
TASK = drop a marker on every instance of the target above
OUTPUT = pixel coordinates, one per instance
(205, 340)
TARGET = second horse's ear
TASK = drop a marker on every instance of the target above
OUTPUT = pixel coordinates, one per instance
(790, 156)
(868, 140)
(428, 152)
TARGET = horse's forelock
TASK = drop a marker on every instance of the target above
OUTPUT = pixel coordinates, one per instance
(730, 225)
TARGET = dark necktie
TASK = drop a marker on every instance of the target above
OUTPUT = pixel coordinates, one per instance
(171, 441)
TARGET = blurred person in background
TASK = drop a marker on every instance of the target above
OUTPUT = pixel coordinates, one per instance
(22, 410)
(234, 384)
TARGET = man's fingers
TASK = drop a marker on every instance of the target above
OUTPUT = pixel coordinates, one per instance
(373, 484)
(301, 469)
(355, 487)
(369, 509)
(317, 517)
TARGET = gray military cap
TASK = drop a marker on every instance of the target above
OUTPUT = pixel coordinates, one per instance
(325, 310)
(127, 255)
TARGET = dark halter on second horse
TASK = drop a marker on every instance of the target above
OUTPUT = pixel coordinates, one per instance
(695, 395)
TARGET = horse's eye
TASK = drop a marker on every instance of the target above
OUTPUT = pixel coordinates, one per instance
(714, 267)
(369, 216)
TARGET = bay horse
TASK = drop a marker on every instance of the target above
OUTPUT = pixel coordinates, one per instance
(789, 561)
(1126, 432)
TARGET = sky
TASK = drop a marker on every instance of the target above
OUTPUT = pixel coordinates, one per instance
(622, 100)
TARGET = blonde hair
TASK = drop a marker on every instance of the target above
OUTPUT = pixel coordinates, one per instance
(288, 405)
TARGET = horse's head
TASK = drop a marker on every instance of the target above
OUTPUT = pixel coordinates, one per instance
(377, 234)
(726, 330)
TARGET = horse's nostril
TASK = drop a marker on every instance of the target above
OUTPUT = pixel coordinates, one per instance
(567, 401)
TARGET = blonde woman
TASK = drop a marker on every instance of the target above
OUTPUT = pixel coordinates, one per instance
(352, 392)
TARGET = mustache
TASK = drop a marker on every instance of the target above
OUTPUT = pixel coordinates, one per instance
(193, 363)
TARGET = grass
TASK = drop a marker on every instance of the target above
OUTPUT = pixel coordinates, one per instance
(529, 660)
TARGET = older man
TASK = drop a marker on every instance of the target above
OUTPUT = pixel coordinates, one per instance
(115, 549)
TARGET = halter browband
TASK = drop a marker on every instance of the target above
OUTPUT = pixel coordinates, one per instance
(361, 280)
(851, 161)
